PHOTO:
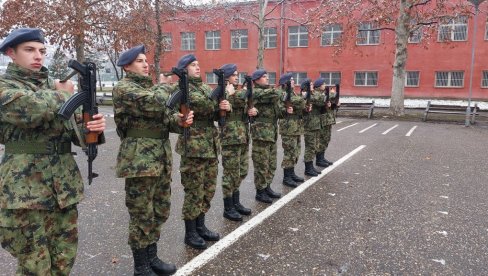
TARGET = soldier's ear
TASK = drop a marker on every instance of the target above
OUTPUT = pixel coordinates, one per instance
(10, 52)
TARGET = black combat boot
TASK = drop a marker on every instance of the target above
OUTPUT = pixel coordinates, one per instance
(320, 161)
(191, 236)
(262, 196)
(204, 232)
(295, 177)
(141, 263)
(237, 204)
(157, 265)
(287, 178)
(309, 170)
(272, 193)
(230, 211)
(323, 156)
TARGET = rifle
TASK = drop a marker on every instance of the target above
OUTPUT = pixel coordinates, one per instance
(250, 103)
(308, 95)
(336, 99)
(287, 99)
(182, 96)
(326, 100)
(218, 94)
(86, 98)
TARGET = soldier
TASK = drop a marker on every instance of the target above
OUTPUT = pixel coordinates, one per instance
(291, 128)
(264, 133)
(325, 122)
(144, 158)
(311, 127)
(199, 159)
(41, 183)
(235, 145)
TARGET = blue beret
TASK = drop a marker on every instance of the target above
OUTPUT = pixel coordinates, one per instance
(305, 83)
(228, 69)
(130, 55)
(318, 82)
(285, 78)
(185, 61)
(20, 36)
(258, 74)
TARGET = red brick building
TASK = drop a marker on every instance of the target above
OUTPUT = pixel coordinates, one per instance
(440, 70)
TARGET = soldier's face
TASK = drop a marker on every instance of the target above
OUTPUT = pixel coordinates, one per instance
(29, 55)
(193, 69)
(292, 82)
(138, 66)
(264, 80)
(311, 85)
(322, 87)
(234, 78)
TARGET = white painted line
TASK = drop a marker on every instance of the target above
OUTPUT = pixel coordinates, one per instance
(211, 252)
(339, 122)
(371, 126)
(390, 129)
(347, 127)
(442, 212)
(411, 131)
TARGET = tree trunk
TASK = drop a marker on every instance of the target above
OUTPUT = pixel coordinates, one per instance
(262, 11)
(402, 33)
(159, 41)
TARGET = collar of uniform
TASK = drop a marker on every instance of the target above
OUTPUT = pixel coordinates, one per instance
(144, 81)
(37, 78)
(261, 86)
(197, 81)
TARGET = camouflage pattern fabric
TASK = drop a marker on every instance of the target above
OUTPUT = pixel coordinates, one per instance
(291, 150)
(324, 139)
(312, 126)
(291, 127)
(148, 200)
(44, 242)
(235, 161)
(264, 160)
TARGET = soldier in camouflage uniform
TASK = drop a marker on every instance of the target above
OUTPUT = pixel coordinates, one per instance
(264, 133)
(327, 118)
(199, 159)
(235, 145)
(40, 184)
(144, 158)
(312, 129)
(291, 128)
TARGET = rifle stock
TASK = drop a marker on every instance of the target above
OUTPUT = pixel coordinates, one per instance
(249, 95)
(182, 97)
(218, 94)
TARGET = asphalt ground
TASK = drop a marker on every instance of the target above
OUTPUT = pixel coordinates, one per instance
(391, 204)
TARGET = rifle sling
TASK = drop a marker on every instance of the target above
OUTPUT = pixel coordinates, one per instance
(32, 147)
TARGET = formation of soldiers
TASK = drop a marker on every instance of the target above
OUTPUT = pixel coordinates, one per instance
(41, 184)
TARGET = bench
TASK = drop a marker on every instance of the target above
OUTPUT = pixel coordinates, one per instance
(450, 109)
(104, 98)
(358, 106)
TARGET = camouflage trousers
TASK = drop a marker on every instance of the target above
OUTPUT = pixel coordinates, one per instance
(291, 150)
(199, 179)
(264, 160)
(312, 138)
(43, 241)
(148, 200)
(324, 140)
(235, 160)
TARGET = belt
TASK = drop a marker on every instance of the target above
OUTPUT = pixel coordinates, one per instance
(265, 120)
(51, 148)
(147, 133)
(202, 123)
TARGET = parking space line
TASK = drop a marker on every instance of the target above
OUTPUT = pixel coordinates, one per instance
(390, 129)
(366, 129)
(347, 127)
(240, 231)
(411, 131)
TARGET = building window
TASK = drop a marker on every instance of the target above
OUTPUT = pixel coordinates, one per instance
(270, 38)
(484, 81)
(211, 78)
(272, 78)
(297, 36)
(366, 78)
(331, 78)
(299, 77)
(239, 39)
(454, 29)
(242, 76)
(449, 79)
(187, 41)
(412, 79)
(331, 35)
(366, 37)
(415, 36)
(212, 40)
(167, 42)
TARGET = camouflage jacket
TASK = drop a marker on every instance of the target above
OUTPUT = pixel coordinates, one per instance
(204, 137)
(140, 105)
(267, 102)
(331, 114)
(292, 124)
(235, 131)
(29, 114)
(312, 119)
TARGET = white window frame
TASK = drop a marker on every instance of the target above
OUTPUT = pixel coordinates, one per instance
(268, 37)
(301, 34)
(449, 79)
(328, 77)
(299, 79)
(486, 31)
(272, 78)
(415, 37)
(484, 79)
(213, 39)
(188, 40)
(366, 78)
(167, 42)
(406, 78)
(211, 78)
(451, 25)
(334, 35)
(239, 36)
(241, 77)
(371, 36)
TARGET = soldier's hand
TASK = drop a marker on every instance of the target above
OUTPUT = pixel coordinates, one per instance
(230, 89)
(252, 112)
(188, 120)
(224, 105)
(289, 110)
(309, 108)
(67, 86)
(97, 125)
(165, 79)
